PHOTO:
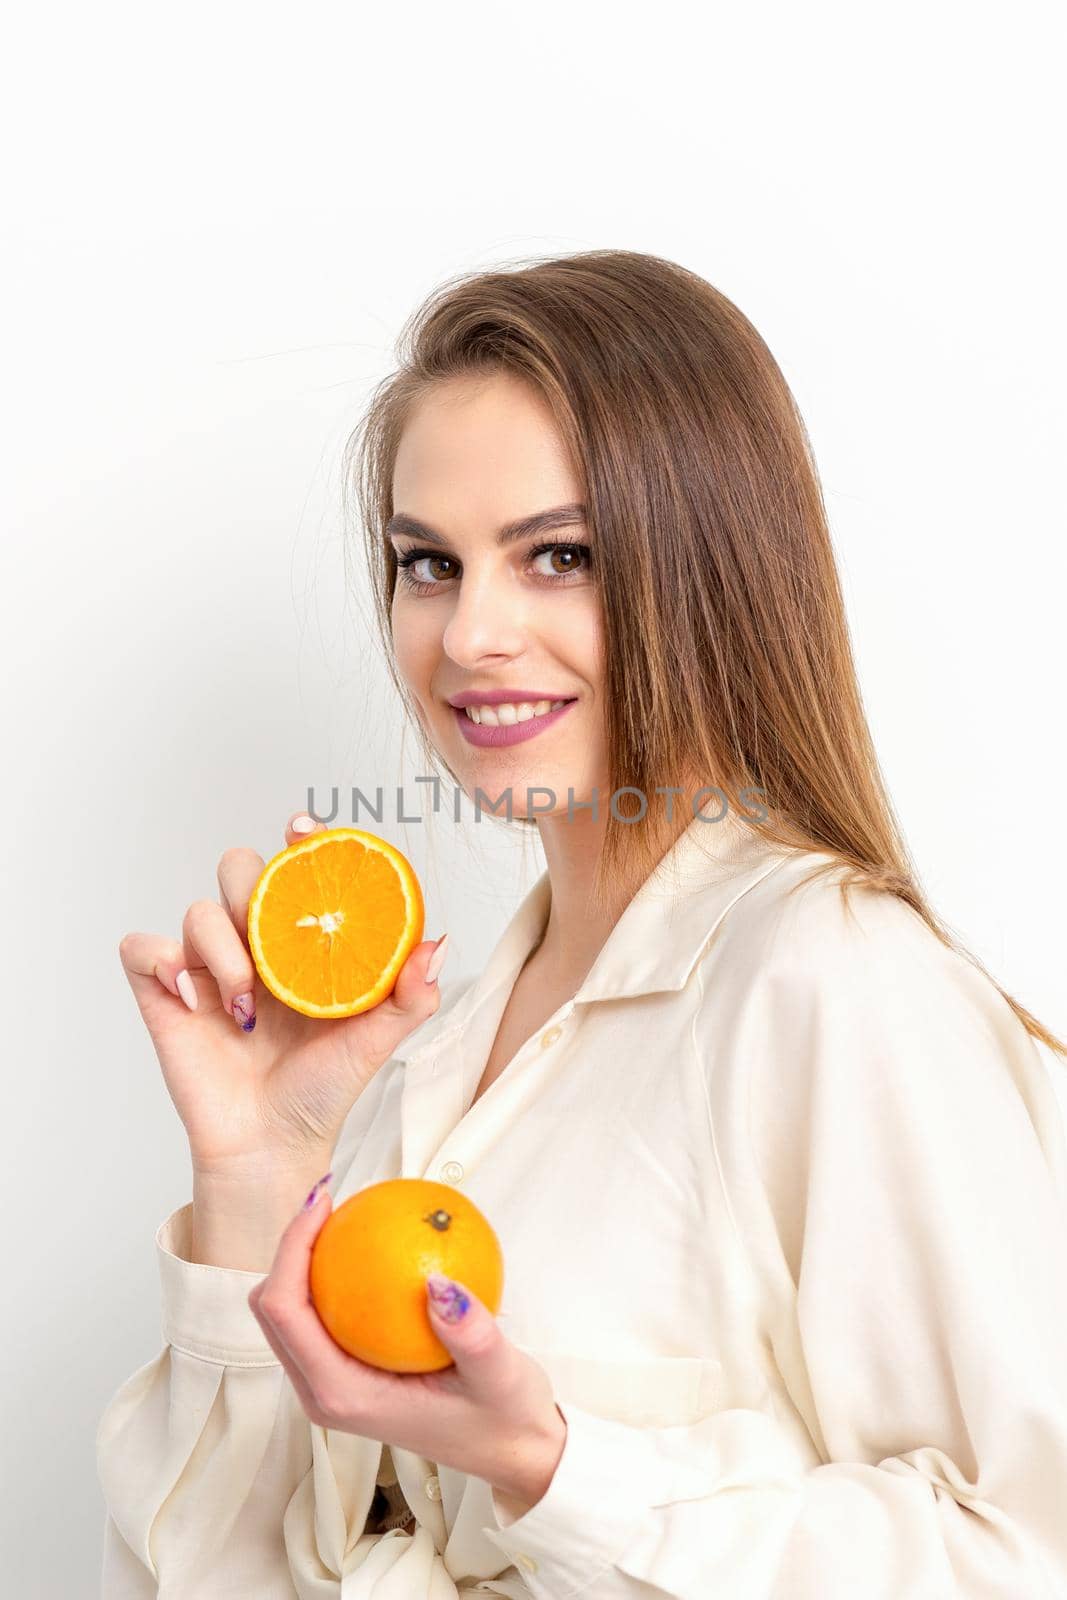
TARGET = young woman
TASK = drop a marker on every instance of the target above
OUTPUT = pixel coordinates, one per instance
(777, 1170)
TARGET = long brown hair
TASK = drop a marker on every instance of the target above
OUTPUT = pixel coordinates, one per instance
(726, 641)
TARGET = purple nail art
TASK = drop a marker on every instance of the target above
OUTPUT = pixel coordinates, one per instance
(313, 1195)
(449, 1300)
(244, 1011)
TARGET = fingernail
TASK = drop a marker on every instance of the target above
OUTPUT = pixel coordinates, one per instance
(186, 988)
(316, 1191)
(244, 1011)
(448, 1298)
(303, 824)
(437, 960)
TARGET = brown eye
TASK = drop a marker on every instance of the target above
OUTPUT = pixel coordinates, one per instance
(415, 558)
(568, 560)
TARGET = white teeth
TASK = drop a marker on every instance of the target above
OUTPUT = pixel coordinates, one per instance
(510, 712)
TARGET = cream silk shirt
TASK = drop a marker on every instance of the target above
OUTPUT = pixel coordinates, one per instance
(782, 1197)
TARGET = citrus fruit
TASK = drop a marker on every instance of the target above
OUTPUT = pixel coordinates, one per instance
(331, 921)
(371, 1258)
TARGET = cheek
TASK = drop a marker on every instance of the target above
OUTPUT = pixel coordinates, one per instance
(586, 645)
(413, 647)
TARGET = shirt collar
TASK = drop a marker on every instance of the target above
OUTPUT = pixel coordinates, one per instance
(658, 938)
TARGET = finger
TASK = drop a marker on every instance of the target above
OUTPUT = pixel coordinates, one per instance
(470, 1333)
(211, 941)
(421, 970)
(414, 997)
(411, 1002)
(292, 1367)
(238, 872)
(150, 960)
(333, 1377)
(300, 825)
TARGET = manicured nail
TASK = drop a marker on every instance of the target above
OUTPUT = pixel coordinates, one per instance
(448, 1298)
(437, 960)
(303, 824)
(316, 1191)
(186, 988)
(244, 1011)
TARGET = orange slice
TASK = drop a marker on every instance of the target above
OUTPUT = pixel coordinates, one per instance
(371, 1258)
(331, 921)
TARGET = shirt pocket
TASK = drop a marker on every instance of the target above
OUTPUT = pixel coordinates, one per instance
(647, 1391)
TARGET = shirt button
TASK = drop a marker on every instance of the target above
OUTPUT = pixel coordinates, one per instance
(549, 1037)
(527, 1562)
(433, 1488)
(452, 1171)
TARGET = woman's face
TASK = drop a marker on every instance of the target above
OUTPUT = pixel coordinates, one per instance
(474, 613)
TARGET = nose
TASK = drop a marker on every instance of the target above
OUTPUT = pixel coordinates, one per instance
(488, 619)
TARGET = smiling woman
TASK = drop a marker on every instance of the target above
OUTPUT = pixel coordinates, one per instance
(700, 629)
(778, 1176)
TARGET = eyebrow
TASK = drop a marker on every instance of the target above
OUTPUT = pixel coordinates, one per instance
(524, 528)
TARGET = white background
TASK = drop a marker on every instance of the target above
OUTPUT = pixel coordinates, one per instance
(215, 220)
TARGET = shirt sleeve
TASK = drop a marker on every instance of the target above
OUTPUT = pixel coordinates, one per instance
(215, 1480)
(903, 1177)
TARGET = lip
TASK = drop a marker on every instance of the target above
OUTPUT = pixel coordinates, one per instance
(499, 697)
(515, 734)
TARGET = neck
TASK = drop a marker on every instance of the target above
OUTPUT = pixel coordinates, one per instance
(576, 932)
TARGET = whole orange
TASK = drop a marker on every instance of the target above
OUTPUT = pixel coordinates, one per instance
(371, 1259)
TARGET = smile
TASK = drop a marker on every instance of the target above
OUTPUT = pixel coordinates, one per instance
(509, 712)
(508, 724)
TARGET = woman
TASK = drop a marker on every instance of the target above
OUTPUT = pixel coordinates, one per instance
(778, 1174)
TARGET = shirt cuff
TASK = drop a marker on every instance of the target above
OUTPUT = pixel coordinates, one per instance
(607, 1477)
(205, 1309)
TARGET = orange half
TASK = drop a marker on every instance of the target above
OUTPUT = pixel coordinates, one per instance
(331, 921)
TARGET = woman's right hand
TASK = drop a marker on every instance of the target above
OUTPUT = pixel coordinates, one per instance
(282, 1091)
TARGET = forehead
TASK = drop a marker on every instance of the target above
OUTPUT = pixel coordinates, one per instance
(481, 447)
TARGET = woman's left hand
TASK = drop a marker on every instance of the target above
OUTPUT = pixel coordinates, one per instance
(492, 1414)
